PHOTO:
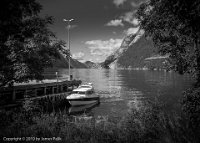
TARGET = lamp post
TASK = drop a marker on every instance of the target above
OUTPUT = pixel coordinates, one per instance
(68, 30)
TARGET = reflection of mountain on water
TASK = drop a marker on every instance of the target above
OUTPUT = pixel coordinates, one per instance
(147, 81)
(165, 86)
(82, 109)
(119, 88)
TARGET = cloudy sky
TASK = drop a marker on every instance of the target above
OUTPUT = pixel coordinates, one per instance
(98, 27)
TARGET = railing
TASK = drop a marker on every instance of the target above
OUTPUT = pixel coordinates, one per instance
(36, 90)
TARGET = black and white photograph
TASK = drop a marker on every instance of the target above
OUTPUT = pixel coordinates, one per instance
(100, 71)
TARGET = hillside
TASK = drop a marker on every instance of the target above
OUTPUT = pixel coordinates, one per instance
(90, 64)
(134, 53)
(116, 55)
(62, 62)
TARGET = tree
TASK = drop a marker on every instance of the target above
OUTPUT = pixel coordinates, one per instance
(174, 28)
(27, 45)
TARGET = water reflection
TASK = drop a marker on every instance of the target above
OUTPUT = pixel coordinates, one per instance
(81, 109)
(121, 90)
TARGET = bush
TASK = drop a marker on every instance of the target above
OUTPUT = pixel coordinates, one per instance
(191, 109)
(146, 124)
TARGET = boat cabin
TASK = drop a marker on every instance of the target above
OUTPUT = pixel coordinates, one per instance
(83, 91)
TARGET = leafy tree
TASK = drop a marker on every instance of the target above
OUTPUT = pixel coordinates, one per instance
(174, 28)
(27, 45)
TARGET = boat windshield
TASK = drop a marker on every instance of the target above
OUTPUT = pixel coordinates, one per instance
(81, 92)
(85, 86)
(78, 92)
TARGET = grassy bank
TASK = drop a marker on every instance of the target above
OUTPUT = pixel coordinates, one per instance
(145, 124)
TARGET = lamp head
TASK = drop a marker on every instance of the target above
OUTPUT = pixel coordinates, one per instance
(69, 20)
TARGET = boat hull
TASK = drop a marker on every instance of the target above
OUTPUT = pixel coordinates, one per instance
(83, 101)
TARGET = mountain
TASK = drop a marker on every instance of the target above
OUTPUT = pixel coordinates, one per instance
(90, 64)
(113, 58)
(62, 62)
(135, 52)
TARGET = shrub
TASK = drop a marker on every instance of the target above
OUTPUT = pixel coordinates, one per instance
(191, 109)
(148, 123)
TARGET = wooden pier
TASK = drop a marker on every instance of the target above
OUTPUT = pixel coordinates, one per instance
(9, 95)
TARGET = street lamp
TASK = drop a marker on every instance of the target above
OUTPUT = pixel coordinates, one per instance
(68, 20)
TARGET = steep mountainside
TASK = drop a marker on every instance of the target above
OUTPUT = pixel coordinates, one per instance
(123, 48)
(90, 64)
(63, 62)
(132, 53)
(136, 53)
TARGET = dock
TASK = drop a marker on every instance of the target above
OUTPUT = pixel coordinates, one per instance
(36, 89)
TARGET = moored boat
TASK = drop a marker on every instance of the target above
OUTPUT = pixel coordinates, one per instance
(83, 95)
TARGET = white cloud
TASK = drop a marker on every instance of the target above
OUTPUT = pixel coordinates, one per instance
(118, 2)
(91, 60)
(116, 22)
(135, 5)
(141, 32)
(132, 30)
(78, 56)
(114, 32)
(103, 48)
(130, 18)
(96, 52)
(98, 60)
(135, 21)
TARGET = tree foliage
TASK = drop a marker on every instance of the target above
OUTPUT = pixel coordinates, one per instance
(27, 45)
(174, 28)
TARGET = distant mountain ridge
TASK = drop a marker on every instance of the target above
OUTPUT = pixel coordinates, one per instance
(134, 52)
(93, 65)
(63, 62)
(113, 58)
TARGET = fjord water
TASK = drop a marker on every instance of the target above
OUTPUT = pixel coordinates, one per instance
(121, 90)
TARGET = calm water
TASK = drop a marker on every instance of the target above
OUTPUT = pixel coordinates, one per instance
(121, 90)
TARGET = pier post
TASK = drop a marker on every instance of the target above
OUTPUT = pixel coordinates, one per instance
(14, 95)
(25, 93)
(61, 88)
(57, 89)
(35, 92)
(67, 88)
(45, 90)
(53, 90)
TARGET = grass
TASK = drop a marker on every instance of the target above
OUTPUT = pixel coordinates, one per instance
(147, 124)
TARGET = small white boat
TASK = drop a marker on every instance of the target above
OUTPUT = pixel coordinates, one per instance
(86, 85)
(83, 95)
